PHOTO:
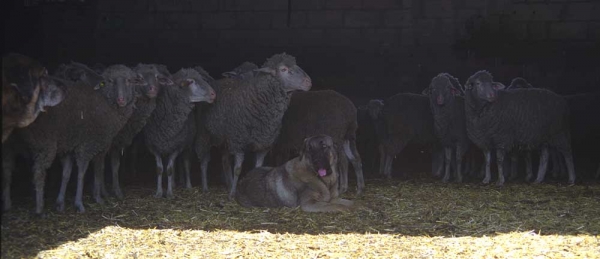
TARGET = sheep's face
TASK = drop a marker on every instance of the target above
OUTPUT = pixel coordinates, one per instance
(481, 86)
(51, 94)
(375, 107)
(519, 82)
(198, 89)
(120, 84)
(441, 90)
(293, 78)
(155, 81)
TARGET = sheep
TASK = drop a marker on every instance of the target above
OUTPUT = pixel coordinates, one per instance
(519, 118)
(519, 83)
(247, 117)
(584, 121)
(171, 126)
(242, 72)
(80, 128)
(375, 108)
(26, 91)
(406, 118)
(144, 106)
(447, 105)
(511, 165)
(321, 112)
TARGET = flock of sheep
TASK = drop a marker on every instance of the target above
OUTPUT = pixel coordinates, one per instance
(92, 113)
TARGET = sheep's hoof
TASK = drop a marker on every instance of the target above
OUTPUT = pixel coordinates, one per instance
(60, 206)
(119, 194)
(188, 186)
(537, 181)
(446, 179)
(39, 215)
(231, 196)
(80, 208)
(486, 181)
(459, 179)
(359, 192)
(99, 200)
(158, 195)
(500, 183)
(170, 196)
(6, 206)
(205, 189)
(571, 182)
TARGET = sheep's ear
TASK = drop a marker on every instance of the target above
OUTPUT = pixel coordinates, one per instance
(230, 74)
(267, 70)
(455, 91)
(498, 85)
(426, 91)
(187, 82)
(164, 80)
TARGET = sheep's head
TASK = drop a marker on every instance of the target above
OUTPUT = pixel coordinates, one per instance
(195, 85)
(519, 82)
(375, 108)
(441, 90)
(155, 80)
(120, 84)
(78, 72)
(481, 85)
(205, 75)
(52, 93)
(242, 72)
(284, 68)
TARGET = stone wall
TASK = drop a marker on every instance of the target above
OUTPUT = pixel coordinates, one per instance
(387, 46)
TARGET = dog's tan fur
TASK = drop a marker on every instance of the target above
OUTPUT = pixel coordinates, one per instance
(296, 183)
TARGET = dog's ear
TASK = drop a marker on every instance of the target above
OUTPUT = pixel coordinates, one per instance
(305, 147)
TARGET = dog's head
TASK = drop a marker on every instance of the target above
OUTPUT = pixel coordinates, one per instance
(320, 152)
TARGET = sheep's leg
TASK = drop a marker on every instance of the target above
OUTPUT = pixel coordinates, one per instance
(500, 160)
(227, 173)
(514, 162)
(8, 165)
(204, 171)
(488, 157)
(381, 159)
(554, 157)
(343, 172)
(99, 177)
(185, 157)
(352, 154)
(237, 170)
(460, 153)
(388, 166)
(260, 158)
(67, 167)
(133, 161)
(448, 161)
(543, 165)
(170, 172)
(570, 166)
(115, 162)
(437, 161)
(42, 161)
(528, 165)
(82, 166)
(159, 172)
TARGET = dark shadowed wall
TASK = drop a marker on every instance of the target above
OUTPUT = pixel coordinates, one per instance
(384, 46)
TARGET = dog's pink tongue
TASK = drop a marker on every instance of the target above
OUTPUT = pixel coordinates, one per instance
(322, 172)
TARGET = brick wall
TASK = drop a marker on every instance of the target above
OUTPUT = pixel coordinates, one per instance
(347, 45)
